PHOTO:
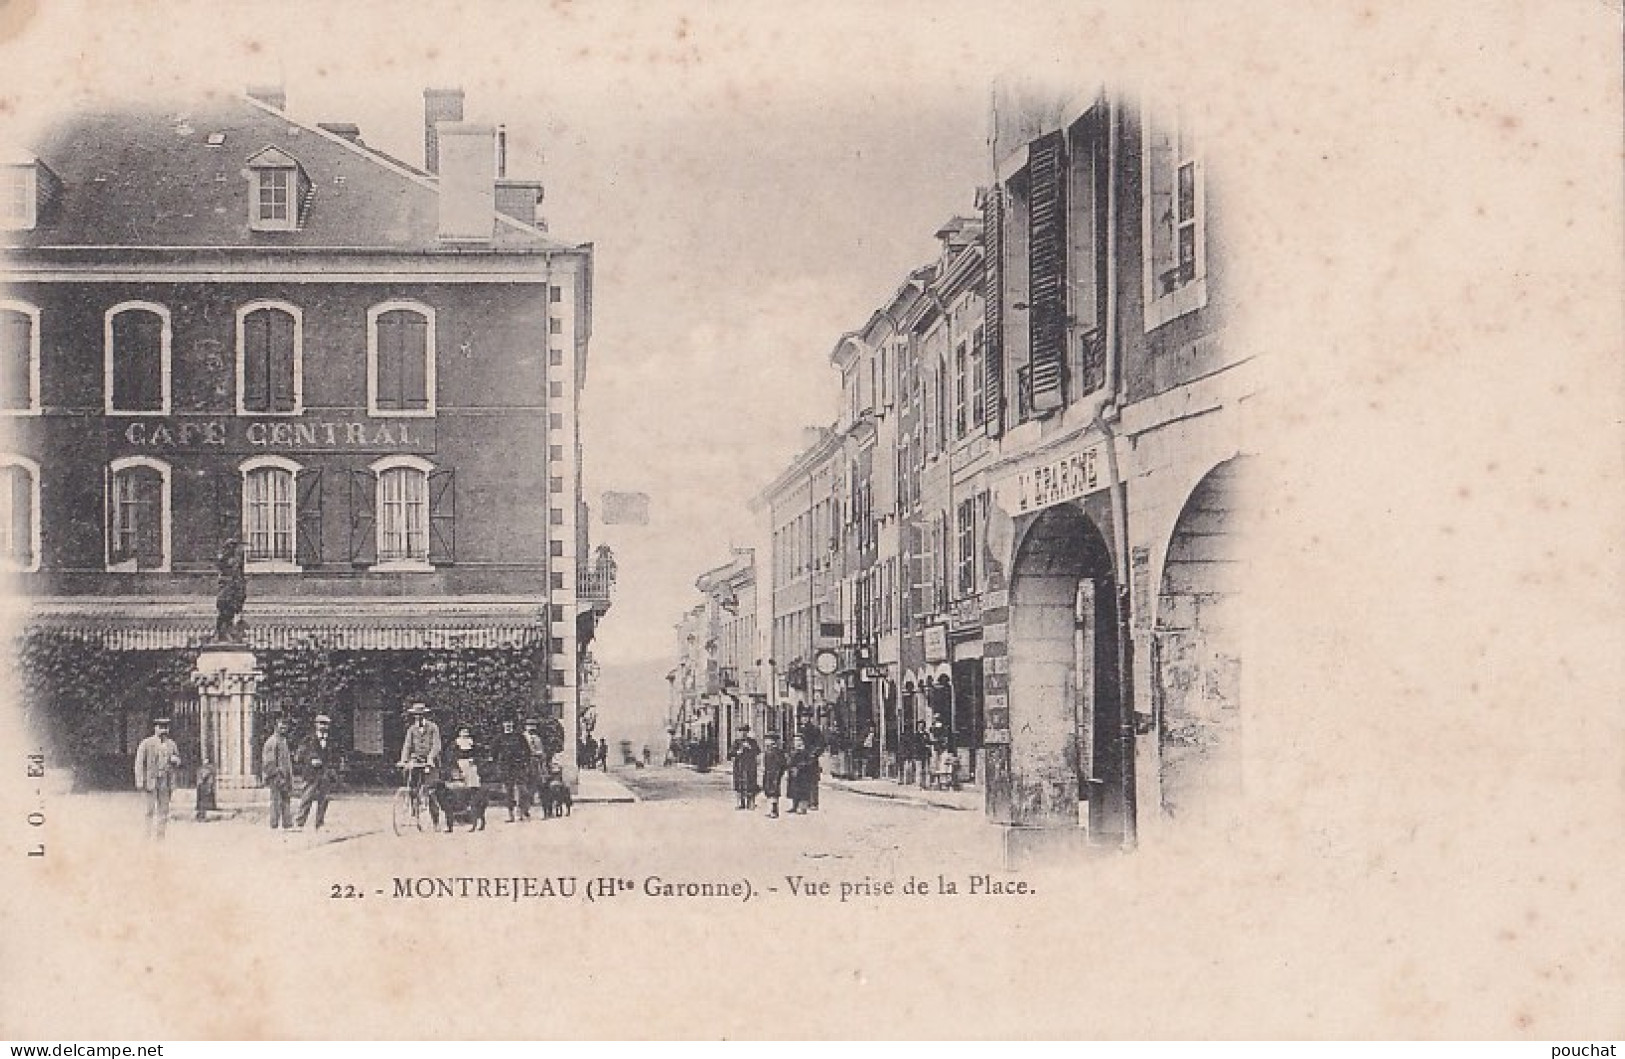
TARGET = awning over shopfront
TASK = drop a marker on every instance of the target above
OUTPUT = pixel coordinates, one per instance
(400, 624)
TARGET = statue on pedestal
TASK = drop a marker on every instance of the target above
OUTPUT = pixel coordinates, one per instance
(233, 593)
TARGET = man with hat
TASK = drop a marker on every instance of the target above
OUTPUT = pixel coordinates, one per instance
(513, 761)
(537, 771)
(276, 769)
(813, 735)
(745, 753)
(318, 761)
(157, 760)
(421, 749)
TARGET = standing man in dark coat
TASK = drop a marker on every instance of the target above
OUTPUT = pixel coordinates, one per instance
(157, 760)
(513, 762)
(773, 766)
(803, 781)
(318, 761)
(745, 752)
(276, 768)
(813, 736)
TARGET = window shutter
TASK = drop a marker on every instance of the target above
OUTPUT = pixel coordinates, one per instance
(16, 335)
(389, 356)
(138, 381)
(256, 360)
(363, 518)
(442, 517)
(109, 519)
(18, 483)
(228, 508)
(308, 497)
(279, 360)
(149, 538)
(993, 306)
(1047, 265)
(414, 361)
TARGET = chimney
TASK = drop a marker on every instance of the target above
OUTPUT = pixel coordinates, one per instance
(273, 96)
(439, 104)
(345, 129)
(467, 180)
(519, 199)
(502, 152)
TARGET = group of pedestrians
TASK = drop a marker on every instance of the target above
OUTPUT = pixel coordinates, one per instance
(523, 760)
(771, 772)
(313, 765)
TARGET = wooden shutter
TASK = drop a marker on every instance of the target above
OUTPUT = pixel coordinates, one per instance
(442, 517)
(256, 360)
(228, 508)
(19, 484)
(279, 360)
(1047, 270)
(414, 361)
(149, 524)
(138, 379)
(308, 498)
(16, 349)
(363, 518)
(389, 355)
(993, 306)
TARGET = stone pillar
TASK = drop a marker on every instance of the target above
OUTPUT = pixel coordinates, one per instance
(227, 682)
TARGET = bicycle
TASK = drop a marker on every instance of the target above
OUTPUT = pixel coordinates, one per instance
(406, 809)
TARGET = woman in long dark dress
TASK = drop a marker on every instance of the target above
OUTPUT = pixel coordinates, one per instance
(802, 770)
(745, 752)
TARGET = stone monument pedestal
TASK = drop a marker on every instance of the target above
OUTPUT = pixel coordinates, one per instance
(227, 680)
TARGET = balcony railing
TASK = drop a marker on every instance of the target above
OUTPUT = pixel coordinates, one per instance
(595, 586)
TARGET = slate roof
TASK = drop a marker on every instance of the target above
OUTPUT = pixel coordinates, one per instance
(150, 178)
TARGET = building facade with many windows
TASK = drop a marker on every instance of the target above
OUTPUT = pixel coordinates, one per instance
(1059, 403)
(223, 325)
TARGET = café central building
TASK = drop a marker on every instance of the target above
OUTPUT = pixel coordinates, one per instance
(219, 323)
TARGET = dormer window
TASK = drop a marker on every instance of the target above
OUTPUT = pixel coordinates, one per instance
(26, 189)
(277, 191)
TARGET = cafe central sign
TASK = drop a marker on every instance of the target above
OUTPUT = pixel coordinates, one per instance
(1071, 476)
(341, 432)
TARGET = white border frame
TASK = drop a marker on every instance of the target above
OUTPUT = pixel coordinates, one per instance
(428, 313)
(378, 467)
(33, 313)
(298, 353)
(244, 469)
(124, 463)
(164, 363)
(33, 469)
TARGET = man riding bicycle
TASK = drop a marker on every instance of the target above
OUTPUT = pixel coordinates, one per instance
(420, 750)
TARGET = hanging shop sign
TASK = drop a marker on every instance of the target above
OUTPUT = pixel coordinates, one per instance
(1071, 476)
(936, 643)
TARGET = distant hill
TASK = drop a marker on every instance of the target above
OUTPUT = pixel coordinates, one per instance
(632, 699)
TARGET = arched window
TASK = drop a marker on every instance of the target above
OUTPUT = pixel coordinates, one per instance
(138, 530)
(400, 359)
(19, 513)
(270, 358)
(136, 340)
(402, 515)
(19, 358)
(271, 513)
